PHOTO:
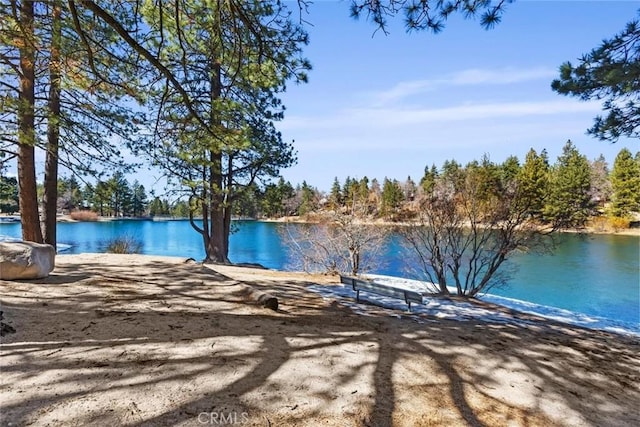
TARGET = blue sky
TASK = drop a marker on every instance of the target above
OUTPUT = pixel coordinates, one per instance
(381, 105)
(388, 105)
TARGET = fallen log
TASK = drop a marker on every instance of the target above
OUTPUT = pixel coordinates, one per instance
(263, 299)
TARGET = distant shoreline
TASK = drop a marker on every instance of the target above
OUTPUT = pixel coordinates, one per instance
(297, 220)
(586, 230)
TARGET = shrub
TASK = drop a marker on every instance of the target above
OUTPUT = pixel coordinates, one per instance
(607, 224)
(338, 243)
(124, 245)
(84, 216)
(619, 223)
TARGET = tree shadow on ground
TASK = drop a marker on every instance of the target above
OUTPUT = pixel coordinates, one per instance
(162, 343)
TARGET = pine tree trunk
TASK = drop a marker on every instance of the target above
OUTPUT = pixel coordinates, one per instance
(28, 197)
(50, 201)
(217, 241)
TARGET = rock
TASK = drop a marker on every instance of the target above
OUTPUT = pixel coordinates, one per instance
(26, 260)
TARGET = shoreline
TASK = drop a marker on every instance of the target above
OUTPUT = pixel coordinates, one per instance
(333, 280)
(551, 314)
(541, 308)
(586, 231)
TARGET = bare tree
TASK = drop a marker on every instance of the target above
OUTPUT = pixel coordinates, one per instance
(338, 243)
(467, 232)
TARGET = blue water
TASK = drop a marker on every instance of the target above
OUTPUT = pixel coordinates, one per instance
(595, 276)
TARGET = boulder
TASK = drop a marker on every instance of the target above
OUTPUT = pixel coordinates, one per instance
(26, 260)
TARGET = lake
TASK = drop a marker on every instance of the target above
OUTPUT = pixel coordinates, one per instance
(594, 278)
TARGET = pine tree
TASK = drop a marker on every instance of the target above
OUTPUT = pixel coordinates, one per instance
(487, 178)
(428, 15)
(610, 73)
(8, 194)
(363, 190)
(139, 199)
(155, 207)
(120, 194)
(180, 209)
(569, 203)
(335, 197)
(533, 182)
(73, 89)
(625, 180)
(308, 199)
(101, 198)
(349, 191)
(428, 181)
(600, 182)
(391, 196)
(69, 194)
(509, 170)
(453, 174)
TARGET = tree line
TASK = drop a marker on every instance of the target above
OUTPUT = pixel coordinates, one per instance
(567, 193)
(115, 197)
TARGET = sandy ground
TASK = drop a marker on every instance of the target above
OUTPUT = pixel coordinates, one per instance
(122, 340)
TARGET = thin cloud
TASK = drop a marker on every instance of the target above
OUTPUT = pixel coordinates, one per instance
(503, 76)
(487, 134)
(402, 117)
(381, 118)
(469, 77)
